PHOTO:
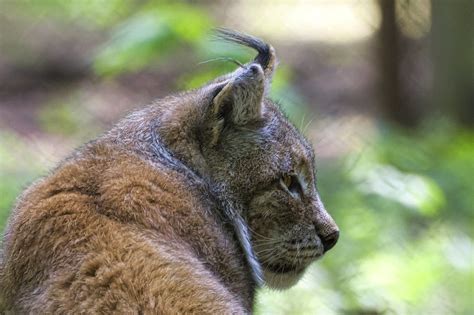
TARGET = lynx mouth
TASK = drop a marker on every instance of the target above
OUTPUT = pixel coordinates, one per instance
(284, 268)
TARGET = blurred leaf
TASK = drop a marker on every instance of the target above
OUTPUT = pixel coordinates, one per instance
(413, 191)
(65, 117)
(93, 14)
(199, 78)
(14, 171)
(149, 36)
(290, 101)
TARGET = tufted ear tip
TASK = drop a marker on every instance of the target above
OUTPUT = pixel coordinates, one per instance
(266, 57)
(237, 102)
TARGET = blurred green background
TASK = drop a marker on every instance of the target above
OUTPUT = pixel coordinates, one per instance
(384, 89)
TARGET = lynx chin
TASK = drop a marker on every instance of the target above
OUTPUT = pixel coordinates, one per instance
(185, 206)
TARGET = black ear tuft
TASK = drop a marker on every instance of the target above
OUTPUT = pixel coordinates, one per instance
(266, 54)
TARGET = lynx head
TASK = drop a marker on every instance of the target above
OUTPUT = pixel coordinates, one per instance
(261, 161)
(255, 160)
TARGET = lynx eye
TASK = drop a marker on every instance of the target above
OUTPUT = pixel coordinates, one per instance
(291, 183)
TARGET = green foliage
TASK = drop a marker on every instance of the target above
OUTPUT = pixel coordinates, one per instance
(288, 98)
(92, 14)
(149, 36)
(67, 118)
(59, 119)
(15, 172)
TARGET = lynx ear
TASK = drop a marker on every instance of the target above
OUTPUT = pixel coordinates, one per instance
(239, 102)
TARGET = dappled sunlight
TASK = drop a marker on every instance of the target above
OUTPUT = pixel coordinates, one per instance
(413, 191)
(337, 21)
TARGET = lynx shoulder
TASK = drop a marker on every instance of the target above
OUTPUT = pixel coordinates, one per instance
(185, 206)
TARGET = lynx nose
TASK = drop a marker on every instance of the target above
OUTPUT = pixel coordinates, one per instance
(326, 228)
(329, 240)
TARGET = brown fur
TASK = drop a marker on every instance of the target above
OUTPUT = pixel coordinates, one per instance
(174, 210)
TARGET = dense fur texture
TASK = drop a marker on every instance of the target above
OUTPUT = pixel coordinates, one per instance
(186, 206)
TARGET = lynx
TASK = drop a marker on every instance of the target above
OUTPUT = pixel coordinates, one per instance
(185, 206)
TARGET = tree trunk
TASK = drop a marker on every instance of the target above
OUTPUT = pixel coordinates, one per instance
(453, 58)
(389, 52)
